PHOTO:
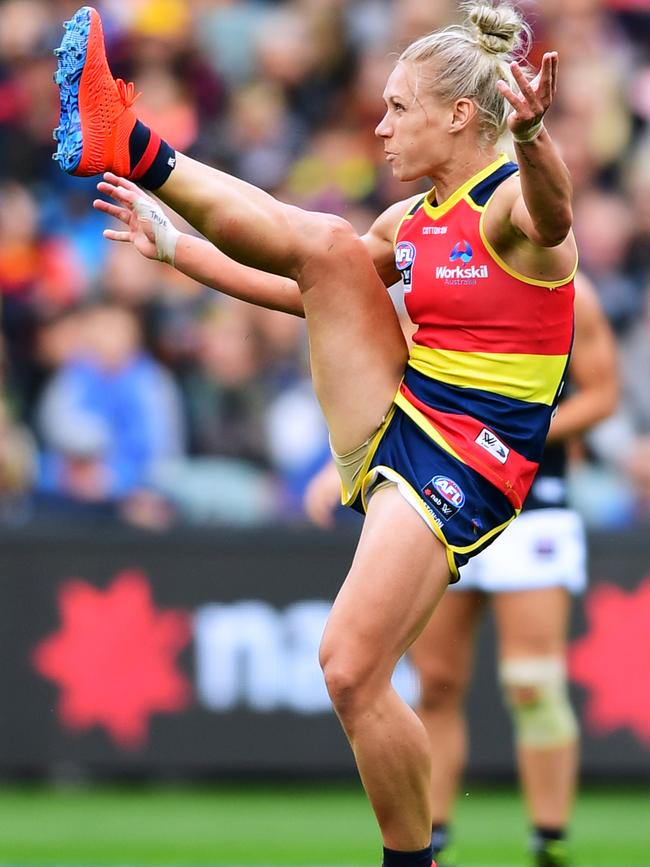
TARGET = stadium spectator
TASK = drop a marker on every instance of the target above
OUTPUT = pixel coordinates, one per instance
(39, 275)
(17, 460)
(108, 414)
(604, 227)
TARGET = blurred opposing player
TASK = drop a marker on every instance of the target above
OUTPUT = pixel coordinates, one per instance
(492, 292)
(528, 574)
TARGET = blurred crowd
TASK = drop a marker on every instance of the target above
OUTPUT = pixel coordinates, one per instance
(130, 393)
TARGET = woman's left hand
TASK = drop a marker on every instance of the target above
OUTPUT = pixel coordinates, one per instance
(533, 101)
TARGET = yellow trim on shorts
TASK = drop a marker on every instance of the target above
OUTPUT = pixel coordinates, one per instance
(450, 550)
(437, 211)
(493, 532)
(373, 445)
(533, 379)
(393, 476)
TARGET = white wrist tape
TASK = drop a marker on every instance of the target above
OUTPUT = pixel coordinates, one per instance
(165, 234)
(529, 135)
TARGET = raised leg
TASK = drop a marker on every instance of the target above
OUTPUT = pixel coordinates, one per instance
(357, 348)
(358, 352)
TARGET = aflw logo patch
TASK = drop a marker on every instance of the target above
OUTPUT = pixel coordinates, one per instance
(492, 444)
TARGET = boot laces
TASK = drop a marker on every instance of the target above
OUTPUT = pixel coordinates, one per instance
(126, 92)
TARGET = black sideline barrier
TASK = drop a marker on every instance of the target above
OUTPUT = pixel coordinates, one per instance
(194, 654)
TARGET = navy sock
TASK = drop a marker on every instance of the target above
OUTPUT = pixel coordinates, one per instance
(420, 858)
(152, 159)
(439, 837)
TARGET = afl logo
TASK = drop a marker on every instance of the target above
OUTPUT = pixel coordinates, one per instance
(449, 491)
(404, 255)
(462, 251)
(404, 259)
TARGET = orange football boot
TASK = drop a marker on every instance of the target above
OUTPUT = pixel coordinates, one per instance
(96, 119)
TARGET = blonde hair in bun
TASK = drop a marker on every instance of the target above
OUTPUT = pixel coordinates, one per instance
(499, 29)
(467, 61)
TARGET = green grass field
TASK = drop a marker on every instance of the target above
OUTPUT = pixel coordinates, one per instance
(282, 825)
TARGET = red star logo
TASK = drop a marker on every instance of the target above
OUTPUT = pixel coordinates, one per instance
(114, 658)
(611, 660)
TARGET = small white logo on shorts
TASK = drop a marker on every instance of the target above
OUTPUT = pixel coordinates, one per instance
(492, 444)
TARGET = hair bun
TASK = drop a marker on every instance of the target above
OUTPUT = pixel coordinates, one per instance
(498, 27)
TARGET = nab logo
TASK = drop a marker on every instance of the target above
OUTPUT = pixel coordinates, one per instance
(404, 259)
(462, 251)
(444, 495)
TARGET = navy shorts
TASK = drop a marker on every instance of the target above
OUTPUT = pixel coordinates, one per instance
(464, 510)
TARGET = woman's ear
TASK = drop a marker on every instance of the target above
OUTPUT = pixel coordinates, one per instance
(463, 111)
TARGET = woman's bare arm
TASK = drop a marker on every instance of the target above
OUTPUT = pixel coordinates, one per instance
(154, 236)
(542, 212)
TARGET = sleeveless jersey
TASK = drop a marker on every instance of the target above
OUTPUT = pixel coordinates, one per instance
(491, 348)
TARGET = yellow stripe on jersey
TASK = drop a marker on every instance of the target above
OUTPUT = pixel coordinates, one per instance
(531, 378)
(437, 211)
(423, 422)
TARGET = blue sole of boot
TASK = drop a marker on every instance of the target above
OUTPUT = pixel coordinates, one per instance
(71, 55)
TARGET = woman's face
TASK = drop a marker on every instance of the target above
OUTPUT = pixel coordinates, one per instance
(415, 128)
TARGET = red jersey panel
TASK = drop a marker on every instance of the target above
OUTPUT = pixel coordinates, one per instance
(491, 345)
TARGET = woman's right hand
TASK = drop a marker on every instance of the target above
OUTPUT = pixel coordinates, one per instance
(147, 226)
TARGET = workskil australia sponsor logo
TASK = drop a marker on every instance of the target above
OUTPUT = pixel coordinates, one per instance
(461, 252)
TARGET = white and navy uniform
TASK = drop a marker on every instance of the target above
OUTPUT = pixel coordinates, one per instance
(544, 547)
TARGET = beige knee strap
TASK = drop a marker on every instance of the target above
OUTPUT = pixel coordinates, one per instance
(547, 719)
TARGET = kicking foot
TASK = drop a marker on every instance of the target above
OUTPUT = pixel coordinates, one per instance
(96, 120)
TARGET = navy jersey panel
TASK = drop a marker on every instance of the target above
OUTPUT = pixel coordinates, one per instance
(463, 504)
(522, 425)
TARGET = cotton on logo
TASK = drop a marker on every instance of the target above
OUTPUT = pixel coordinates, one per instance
(249, 654)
